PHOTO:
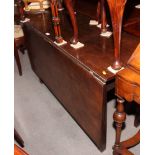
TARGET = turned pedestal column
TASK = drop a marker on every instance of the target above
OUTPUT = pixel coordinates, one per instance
(70, 7)
(127, 87)
(116, 11)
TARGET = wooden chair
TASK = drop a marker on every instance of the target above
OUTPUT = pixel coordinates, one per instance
(19, 44)
(70, 7)
(127, 88)
(19, 151)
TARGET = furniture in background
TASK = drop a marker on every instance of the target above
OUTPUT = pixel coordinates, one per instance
(78, 78)
(34, 5)
(132, 24)
(19, 44)
(101, 16)
(56, 21)
(60, 5)
(19, 151)
(19, 11)
(127, 87)
(116, 10)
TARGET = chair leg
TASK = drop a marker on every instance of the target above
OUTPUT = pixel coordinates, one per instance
(119, 117)
(103, 16)
(22, 49)
(133, 141)
(98, 11)
(69, 6)
(18, 138)
(17, 60)
(137, 117)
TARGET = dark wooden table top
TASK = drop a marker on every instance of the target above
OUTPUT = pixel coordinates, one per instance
(98, 52)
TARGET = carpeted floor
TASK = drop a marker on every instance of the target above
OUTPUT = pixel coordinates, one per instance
(47, 128)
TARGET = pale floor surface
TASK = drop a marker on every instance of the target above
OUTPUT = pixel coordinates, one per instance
(47, 128)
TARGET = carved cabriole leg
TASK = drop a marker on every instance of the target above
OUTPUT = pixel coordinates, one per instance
(56, 21)
(103, 16)
(119, 118)
(116, 10)
(70, 9)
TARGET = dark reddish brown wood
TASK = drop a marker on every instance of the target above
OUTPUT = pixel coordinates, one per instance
(17, 58)
(132, 23)
(103, 16)
(70, 9)
(131, 141)
(127, 87)
(137, 117)
(60, 6)
(21, 10)
(116, 10)
(19, 44)
(119, 118)
(100, 13)
(56, 21)
(76, 77)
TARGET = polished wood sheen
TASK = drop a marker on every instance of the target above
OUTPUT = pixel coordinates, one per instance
(78, 78)
(128, 88)
(60, 6)
(56, 21)
(71, 11)
(116, 10)
(103, 16)
(132, 23)
(100, 13)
